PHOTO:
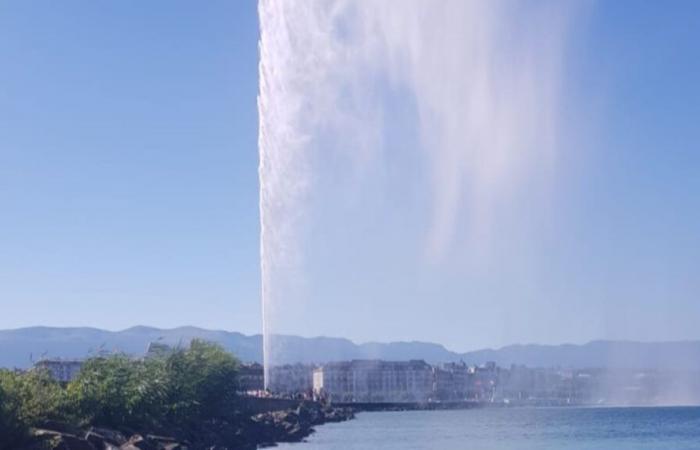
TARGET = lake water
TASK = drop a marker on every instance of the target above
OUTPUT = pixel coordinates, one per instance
(514, 429)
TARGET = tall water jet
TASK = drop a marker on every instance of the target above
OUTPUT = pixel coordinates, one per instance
(481, 80)
(282, 177)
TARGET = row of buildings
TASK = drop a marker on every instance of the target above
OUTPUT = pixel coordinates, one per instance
(67, 369)
(380, 381)
(389, 381)
(417, 381)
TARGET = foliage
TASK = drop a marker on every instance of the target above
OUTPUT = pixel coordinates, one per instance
(202, 383)
(12, 429)
(117, 391)
(181, 389)
(26, 399)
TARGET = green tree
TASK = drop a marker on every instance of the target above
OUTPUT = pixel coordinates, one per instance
(203, 381)
(182, 388)
(27, 400)
(117, 391)
(35, 395)
(12, 429)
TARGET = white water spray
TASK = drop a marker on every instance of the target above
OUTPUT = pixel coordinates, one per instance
(484, 78)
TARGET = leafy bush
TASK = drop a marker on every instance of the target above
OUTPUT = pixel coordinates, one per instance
(35, 396)
(177, 390)
(116, 391)
(12, 429)
(202, 384)
(26, 400)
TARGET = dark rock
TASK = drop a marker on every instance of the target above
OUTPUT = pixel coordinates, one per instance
(138, 442)
(165, 442)
(96, 440)
(60, 427)
(174, 446)
(292, 425)
(107, 436)
(240, 432)
(338, 414)
(54, 440)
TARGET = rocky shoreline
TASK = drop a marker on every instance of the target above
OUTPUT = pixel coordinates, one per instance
(251, 432)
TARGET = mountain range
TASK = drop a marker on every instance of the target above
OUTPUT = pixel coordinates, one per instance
(19, 347)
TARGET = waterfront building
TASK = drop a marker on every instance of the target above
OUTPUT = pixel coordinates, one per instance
(451, 382)
(251, 377)
(374, 381)
(483, 382)
(63, 370)
(291, 379)
(158, 350)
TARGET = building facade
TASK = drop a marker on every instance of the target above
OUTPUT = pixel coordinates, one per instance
(63, 370)
(451, 381)
(374, 381)
(291, 379)
(251, 377)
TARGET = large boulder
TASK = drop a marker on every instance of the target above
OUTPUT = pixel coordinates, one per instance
(138, 442)
(56, 440)
(283, 426)
(105, 439)
(338, 414)
(165, 442)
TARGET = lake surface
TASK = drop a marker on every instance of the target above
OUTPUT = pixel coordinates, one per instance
(514, 429)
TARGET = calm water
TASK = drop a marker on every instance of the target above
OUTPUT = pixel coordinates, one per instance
(514, 428)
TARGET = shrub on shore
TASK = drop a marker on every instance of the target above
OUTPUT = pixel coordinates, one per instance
(117, 392)
(12, 428)
(26, 399)
(178, 390)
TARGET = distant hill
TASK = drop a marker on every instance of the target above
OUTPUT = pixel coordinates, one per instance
(18, 346)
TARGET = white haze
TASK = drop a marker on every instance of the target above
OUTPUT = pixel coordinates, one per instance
(484, 79)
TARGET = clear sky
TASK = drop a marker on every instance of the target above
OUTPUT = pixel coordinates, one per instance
(129, 185)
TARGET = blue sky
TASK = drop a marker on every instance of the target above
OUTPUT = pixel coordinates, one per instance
(129, 189)
(129, 164)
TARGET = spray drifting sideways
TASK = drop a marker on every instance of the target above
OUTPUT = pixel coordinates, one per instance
(484, 77)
